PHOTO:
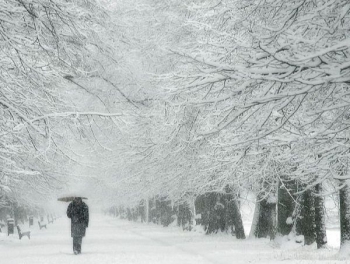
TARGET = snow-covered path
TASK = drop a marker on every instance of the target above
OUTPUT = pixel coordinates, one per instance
(115, 241)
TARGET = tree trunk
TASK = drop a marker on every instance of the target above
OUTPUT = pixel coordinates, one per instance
(152, 210)
(306, 218)
(344, 201)
(253, 229)
(15, 213)
(286, 206)
(320, 219)
(142, 210)
(266, 225)
(199, 204)
(273, 220)
(184, 216)
(214, 216)
(263, 224)
(147, 210)
(166, 211)
(236, 218)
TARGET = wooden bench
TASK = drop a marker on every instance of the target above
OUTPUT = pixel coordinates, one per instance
(22, 234)
(41, 225)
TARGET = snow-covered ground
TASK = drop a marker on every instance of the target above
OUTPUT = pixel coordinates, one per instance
(114, 241)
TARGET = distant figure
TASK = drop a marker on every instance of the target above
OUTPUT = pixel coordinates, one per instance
(78, 212)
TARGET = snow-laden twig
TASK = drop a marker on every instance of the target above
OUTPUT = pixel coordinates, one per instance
(74, 114)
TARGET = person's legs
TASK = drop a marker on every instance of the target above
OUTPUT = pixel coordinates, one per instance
(75, 245)
(79, 242)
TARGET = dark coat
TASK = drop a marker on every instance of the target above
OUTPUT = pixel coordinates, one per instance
(79, 215)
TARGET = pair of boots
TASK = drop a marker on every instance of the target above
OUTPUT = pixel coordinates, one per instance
(77, 241)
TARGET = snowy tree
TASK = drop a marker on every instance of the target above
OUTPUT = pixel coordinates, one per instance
(44, 43)
(269, 75)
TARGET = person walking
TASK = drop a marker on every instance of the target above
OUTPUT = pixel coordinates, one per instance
(78, 212)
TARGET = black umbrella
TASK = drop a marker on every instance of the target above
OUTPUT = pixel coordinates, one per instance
(69, 198)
